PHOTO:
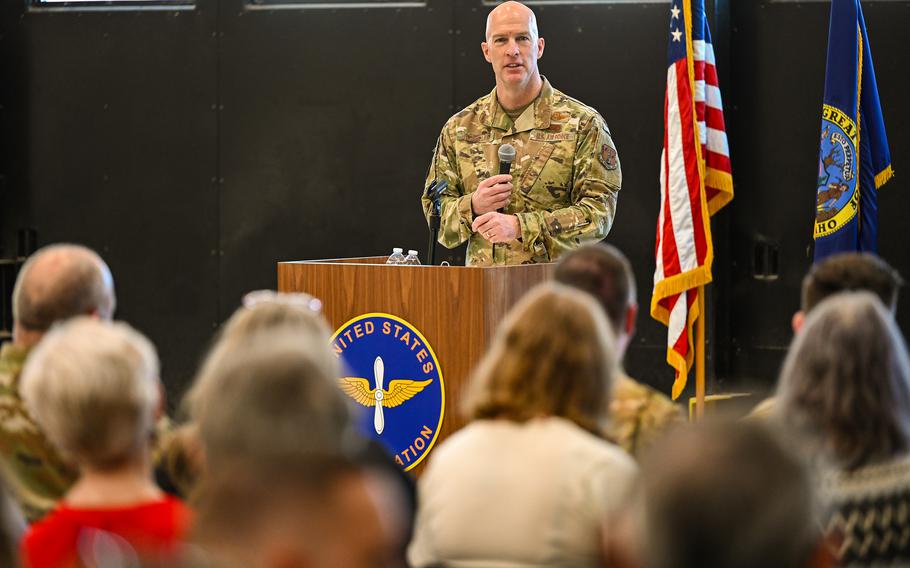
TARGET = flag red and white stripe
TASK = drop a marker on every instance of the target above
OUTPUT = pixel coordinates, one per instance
(695, 181)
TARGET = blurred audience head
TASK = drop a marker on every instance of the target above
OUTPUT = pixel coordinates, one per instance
(263, 311)
(273, 395)
(93, 388)
(553, 355)
(305, 513)
(604, 272)
(848, 272)
(725, 495)
(845, 384)
(59, 282)
(267, 310)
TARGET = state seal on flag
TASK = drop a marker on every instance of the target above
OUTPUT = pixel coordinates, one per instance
(837, 198)
(394, 377)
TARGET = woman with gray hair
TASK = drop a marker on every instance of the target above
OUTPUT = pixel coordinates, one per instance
(268, 391)
(263, 312)
(845, 393)
(93, 387)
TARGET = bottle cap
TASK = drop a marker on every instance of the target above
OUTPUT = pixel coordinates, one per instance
(396, 249)
(412, 252)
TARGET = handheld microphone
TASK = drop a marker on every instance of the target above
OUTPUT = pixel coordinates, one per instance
(506, 157)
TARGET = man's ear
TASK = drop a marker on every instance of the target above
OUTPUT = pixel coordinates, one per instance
(540, 46)
(485, 48)
(799, 318)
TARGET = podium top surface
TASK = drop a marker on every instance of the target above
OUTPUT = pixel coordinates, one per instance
(381, 260)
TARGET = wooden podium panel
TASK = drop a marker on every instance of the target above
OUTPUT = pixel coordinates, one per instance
(456, 308)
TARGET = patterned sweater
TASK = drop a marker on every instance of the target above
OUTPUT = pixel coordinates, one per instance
(869, 513)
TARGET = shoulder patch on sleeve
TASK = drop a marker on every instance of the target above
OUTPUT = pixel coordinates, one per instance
(607, 157)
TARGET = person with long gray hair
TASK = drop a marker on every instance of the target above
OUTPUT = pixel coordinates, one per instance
(844, 397)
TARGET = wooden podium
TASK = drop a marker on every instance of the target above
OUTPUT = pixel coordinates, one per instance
(456, 308)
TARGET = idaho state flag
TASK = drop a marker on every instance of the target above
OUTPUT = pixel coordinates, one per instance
(854, 160)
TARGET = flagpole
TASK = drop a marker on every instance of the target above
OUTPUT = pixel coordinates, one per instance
(700, 356)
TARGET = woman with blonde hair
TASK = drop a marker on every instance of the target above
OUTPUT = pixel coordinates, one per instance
(531, 479)
(845, 400)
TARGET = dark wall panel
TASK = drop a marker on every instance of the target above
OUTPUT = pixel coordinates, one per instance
(119, 155)
(329, 121)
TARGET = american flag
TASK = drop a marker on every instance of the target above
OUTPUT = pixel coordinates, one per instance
(695, 181)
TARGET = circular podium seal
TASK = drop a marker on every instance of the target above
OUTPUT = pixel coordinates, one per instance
(394, 377)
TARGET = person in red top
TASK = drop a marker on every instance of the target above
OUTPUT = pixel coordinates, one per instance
(93, 388)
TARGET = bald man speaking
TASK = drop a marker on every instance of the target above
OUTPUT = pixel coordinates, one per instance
(562, 186)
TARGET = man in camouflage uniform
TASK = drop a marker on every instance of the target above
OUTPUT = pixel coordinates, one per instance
(639, 415)
(56, 283)
(565, 179)
(843, 272)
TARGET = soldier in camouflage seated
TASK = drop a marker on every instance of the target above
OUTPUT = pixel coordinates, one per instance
(565, 179)
(844, 272)
(638, 413)
(55, 284)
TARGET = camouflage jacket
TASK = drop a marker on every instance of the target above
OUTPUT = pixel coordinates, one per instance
(566, 176)
(639, 415)
(36, 474)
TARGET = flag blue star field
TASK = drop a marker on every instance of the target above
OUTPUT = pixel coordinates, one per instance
(854, 160)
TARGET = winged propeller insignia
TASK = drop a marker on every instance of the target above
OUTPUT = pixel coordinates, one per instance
(399, 392)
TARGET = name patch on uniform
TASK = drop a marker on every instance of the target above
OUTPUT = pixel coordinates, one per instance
(552, 136)
(394, 377)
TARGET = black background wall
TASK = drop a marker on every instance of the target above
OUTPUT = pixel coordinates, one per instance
(196, 147)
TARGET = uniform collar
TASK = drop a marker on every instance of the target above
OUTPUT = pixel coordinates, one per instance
(496, 117)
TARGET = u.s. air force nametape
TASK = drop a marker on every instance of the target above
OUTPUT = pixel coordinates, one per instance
(394, 376)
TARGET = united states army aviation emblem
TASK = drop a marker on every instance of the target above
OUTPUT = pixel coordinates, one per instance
(837, 198)
(381, 349)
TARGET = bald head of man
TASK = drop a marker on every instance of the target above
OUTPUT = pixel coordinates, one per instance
(511, 10)
(512, 46)
(56, 283)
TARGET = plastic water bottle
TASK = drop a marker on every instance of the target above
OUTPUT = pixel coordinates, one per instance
(397, 257)
(412, 258)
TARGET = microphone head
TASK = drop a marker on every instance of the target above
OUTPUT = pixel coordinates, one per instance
(506, 153)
